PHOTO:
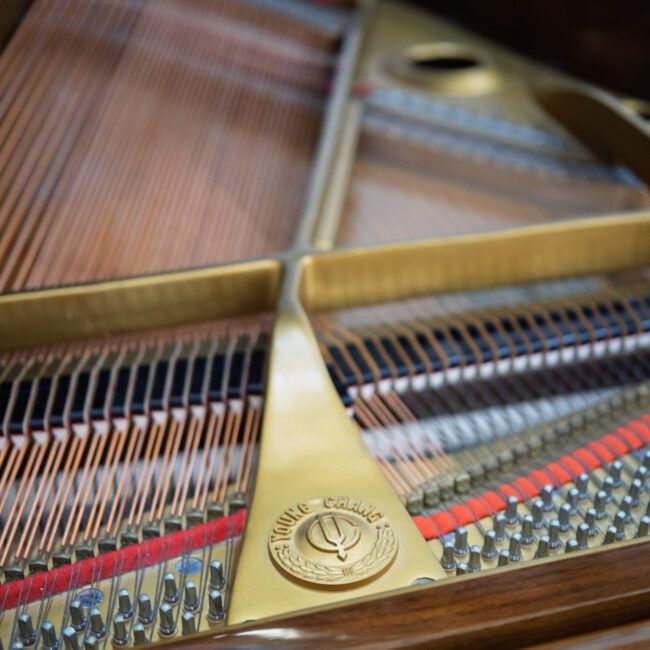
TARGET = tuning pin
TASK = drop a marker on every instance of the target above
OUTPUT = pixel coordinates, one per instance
(216, 611)
(461, 569)
(515, 547)
(571, 545)
(582, 536)
(619, 523)
(91, 642)
(172, 595)
(538, 514)
(542, 547)
(167, 624)
(48, 635)
(97, 626)
(474, 562)
(582, 485)
(120, 633)
(565, 517)
(124, 605)
(646, 459)
(572, 498)
(77, 616)
(188, 623)
(547, 497)
(489, 550)
(70, 638)
(626, 507)
(642, 474)
(615, 473)
(460, 542)
(590, 520)
(504, 558)
(26, 632)
(16, 645)
(527, 530)
(610, 535)
(139, 635)
(554, 534)
(608, 487)
(512, 514)
(500, 528)
(191, 601)
(600, 504)
(448, 561)
(636, 487)
(217, 580)
(644, 525)
(145, 610)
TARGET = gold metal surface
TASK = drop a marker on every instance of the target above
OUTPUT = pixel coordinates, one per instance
(445, 67)
(311, 449)
(333, 541)
(106, 308)
(602, 123)
(361, 276)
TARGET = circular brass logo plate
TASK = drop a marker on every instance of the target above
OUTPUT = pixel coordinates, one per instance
(333, 541)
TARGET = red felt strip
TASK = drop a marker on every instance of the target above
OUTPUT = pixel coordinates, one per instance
(462, 514)
(571, 465)
(642, 428)
(630, 438)
(559, 472)
(601, 452)
(508, 491)
(496, 502)
(564, 470)
(445, 522)
(541, 478)
(138, 556)
(527, 488)
(480, 508)
(615, 445)
(586, 458)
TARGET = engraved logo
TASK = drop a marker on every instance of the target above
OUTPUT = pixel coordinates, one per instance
(331, 532)
(333, 541)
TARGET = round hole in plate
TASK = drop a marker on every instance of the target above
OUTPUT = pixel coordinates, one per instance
(445, 67)
(444, 57)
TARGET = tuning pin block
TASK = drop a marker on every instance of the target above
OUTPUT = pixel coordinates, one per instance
(460, 542)
(188, 623)
(78, 618)
(167, 626)
(217, 579)
(172, 595)
(512, 513)
(48, 636)
(70, 639)
(191, 600)
(120, 631)
(26, 632)
(124, 605)
(97, 626)
(489, 550)
(474, 563)
(216, 611)
(145, 610)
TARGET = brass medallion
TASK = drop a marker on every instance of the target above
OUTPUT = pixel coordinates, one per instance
(333, 541)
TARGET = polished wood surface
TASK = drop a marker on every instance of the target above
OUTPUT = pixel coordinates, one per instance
(633, 636)
(542, 603)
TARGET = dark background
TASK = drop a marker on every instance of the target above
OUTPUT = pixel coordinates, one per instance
(605, 42)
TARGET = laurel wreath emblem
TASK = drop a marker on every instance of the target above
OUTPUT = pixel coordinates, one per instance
(377, 558)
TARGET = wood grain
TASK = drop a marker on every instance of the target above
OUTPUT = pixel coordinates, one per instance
(540, 603)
